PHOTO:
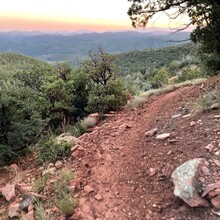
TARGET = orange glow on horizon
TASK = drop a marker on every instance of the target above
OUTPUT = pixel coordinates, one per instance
(34, 24)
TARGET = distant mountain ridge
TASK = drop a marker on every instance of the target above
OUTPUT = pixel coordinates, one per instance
(73, 47)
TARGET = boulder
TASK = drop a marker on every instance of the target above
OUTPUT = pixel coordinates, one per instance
(187, 187)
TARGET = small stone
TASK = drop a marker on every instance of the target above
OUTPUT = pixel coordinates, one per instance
(192, 123)
(94, 115)
(14, 167)
(217, 162)
(217, 153)
(176, 116)
(27, 200)
(210, 187)
(8, 191)
(216, 202)
(163, 136)
(50, 165)
(151, 132)
(74, 148)
(170, 152)
(98, 197)
(124, 127)
(152, 172)
(217, 116)
(23, 188)
(206, 171)
(88, 189)
(209, 147)
(80, 152)
(59, 164)
(186, 116)
(213, 193)
(154, 205)
(13, 209)
(172, 141)
(215, 105)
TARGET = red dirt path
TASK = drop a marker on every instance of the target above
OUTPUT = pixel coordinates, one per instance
(118, 160)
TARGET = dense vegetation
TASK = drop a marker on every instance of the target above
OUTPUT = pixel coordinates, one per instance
(40, 97)
(134, 61)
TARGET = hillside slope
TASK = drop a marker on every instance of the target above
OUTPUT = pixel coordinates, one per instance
(121, 173)
(134, 61)
(10, 63)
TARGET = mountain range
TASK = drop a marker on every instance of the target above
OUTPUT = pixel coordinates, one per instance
(73, 47)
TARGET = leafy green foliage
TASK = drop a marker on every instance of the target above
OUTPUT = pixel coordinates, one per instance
(161, 78)
(189, 74)
(207, 100)
(20, 119)
(106, 98)
(52, 151)
(100, 67)
(147, 60)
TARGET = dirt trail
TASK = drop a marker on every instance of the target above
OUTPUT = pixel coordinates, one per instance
(124, 175)
(131, 173)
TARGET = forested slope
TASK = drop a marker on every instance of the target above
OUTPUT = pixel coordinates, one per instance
(135, 61)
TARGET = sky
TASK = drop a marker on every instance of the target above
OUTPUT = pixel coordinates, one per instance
(68, 15)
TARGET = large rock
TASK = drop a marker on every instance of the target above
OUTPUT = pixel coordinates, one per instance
(187, 187)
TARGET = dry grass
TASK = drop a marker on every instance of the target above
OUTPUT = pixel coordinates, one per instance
(88, 122)
(142, 98)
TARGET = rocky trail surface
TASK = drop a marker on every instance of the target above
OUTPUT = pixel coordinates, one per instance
(124, 165)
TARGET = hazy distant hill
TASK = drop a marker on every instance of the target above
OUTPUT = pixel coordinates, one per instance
(57, 47)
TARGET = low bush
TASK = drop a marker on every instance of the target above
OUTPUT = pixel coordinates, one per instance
(110, 97)
(51, 151)
(189, 74)
(208, 100)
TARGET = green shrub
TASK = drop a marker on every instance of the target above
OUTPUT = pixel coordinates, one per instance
(189, 74)
(207, 100)
(51, 151)
(107, 98)
(161, 79)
